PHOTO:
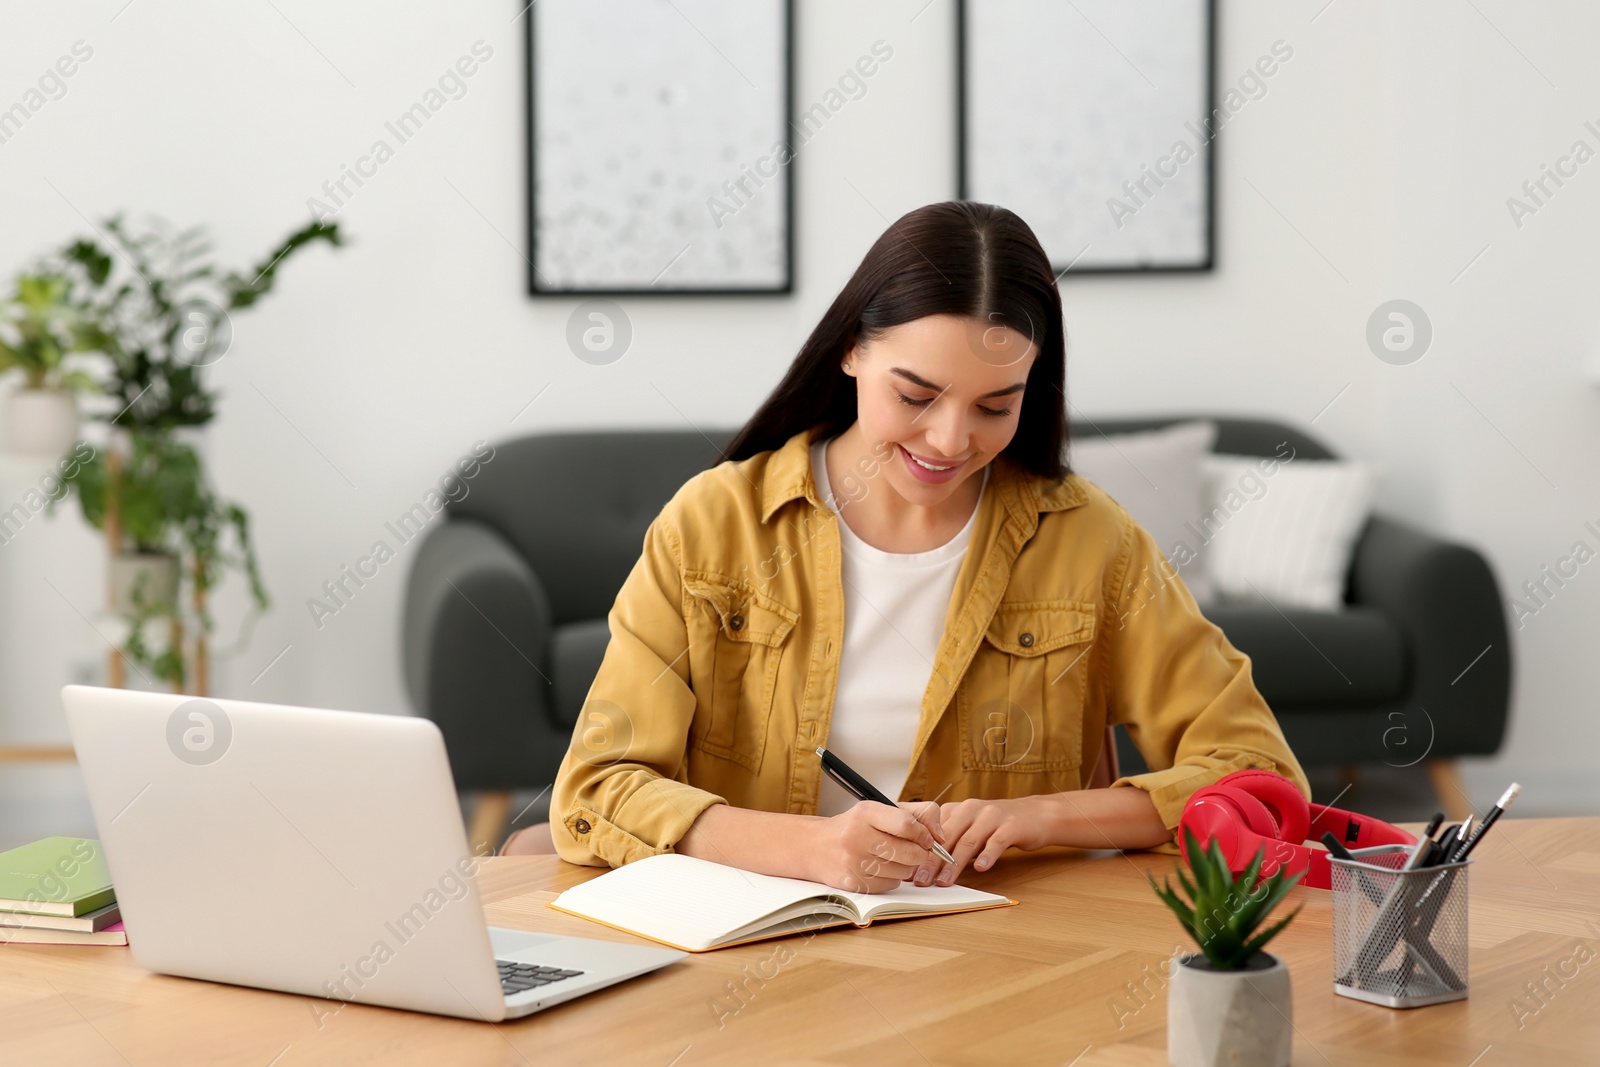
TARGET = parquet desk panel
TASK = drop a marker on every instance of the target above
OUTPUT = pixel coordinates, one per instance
(1072, 976)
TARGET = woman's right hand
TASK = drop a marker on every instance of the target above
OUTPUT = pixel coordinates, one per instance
(872, 847)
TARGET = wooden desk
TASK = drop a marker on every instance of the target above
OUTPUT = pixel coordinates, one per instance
(1072, 976)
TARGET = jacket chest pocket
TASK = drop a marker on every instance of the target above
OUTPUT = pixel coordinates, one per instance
(736, 643)
(1020, 704)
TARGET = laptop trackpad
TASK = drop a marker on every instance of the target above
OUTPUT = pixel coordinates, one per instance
(507, 942)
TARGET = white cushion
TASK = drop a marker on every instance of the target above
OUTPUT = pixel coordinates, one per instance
(1157, 476)
(1281, 531)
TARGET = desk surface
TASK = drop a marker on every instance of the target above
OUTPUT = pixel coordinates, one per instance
(1072, 976)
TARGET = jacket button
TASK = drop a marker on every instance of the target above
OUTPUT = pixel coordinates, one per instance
(582, 826)
(1025, 640)
(736, 621)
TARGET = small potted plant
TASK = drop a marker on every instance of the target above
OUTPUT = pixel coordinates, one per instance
(163, 319)
(1230, 1002)
(40, 328)
(170, 521)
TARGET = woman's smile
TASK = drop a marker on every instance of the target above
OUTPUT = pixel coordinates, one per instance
(928, 470)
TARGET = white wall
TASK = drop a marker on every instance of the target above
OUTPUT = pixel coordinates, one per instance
(1377, 166)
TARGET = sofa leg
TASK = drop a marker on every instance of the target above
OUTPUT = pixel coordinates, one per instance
(1445, 777)
(488, 821)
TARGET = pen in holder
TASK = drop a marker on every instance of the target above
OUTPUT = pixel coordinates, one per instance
(1399, 936)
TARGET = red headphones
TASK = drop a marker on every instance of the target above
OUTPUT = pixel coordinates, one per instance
(1252, 809)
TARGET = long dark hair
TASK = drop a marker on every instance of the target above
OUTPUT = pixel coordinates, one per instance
(953, 258)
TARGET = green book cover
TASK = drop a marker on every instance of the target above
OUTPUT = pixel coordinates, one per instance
(55, 876)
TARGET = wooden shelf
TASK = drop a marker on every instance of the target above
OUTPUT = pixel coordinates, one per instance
(36, 753)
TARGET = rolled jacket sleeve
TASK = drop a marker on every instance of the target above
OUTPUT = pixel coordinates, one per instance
(1183, 692)
(619, 794)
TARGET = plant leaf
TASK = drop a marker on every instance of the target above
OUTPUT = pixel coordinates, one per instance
(1257, 943)
(1196, 858)
(1181, 910)
(1221, 876)
(1278, 887)
(1247, 881)
(1188, 887)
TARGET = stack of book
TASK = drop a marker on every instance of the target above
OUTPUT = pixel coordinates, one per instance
(57, 891)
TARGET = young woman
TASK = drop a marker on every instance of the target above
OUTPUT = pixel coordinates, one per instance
(896, 563)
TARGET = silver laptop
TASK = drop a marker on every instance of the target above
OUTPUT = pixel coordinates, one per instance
(314, 852)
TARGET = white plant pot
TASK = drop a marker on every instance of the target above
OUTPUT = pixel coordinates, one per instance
(40, 422)
(153, 577)
(1230, 1017)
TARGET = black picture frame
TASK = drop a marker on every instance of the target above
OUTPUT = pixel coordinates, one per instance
(964, 143)
(782, 129)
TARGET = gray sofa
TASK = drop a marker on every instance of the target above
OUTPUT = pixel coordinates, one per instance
(504, 625)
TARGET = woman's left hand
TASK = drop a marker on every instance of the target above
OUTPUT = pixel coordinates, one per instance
(978, 831)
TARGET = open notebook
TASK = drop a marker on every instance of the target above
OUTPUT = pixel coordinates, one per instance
(695, 905)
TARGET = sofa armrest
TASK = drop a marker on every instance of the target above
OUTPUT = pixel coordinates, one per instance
(1445, 599)
(476, 649)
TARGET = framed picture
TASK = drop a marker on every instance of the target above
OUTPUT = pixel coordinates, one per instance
(658, 146)
(1094, 121)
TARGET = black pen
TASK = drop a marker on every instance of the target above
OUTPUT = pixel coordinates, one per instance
(1337, 850)
(1451, 847)
(1442, 845)
(1506, 800)
(1336, 846)
(1425, 919)
(1449, 856)
(862, 789)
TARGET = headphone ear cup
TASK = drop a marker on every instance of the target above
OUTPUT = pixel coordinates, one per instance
(1256, 815)
(1289, 807)
(1209, 816)
(1214, 817)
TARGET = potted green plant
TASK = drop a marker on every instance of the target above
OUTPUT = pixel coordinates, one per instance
(1230, 1002)
(41, 329)
(170, 317)
(173, 527)
(171, 535)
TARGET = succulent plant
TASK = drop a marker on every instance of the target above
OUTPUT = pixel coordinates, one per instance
(1223, 912)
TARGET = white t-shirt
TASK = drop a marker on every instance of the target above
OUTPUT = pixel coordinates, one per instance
(894, 608)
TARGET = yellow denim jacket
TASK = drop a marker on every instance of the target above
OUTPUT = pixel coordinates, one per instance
(718, 681)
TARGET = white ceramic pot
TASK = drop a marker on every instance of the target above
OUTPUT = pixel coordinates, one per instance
(1230, 1017)
(154, 576)
(40, 422)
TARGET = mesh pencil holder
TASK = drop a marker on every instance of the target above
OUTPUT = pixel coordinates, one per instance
(1399, 937)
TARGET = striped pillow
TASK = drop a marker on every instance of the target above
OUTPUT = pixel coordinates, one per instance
(1281, 531)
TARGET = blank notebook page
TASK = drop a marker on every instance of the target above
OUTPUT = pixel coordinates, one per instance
(693, 902)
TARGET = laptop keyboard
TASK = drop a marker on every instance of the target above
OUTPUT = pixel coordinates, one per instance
(520, 977)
